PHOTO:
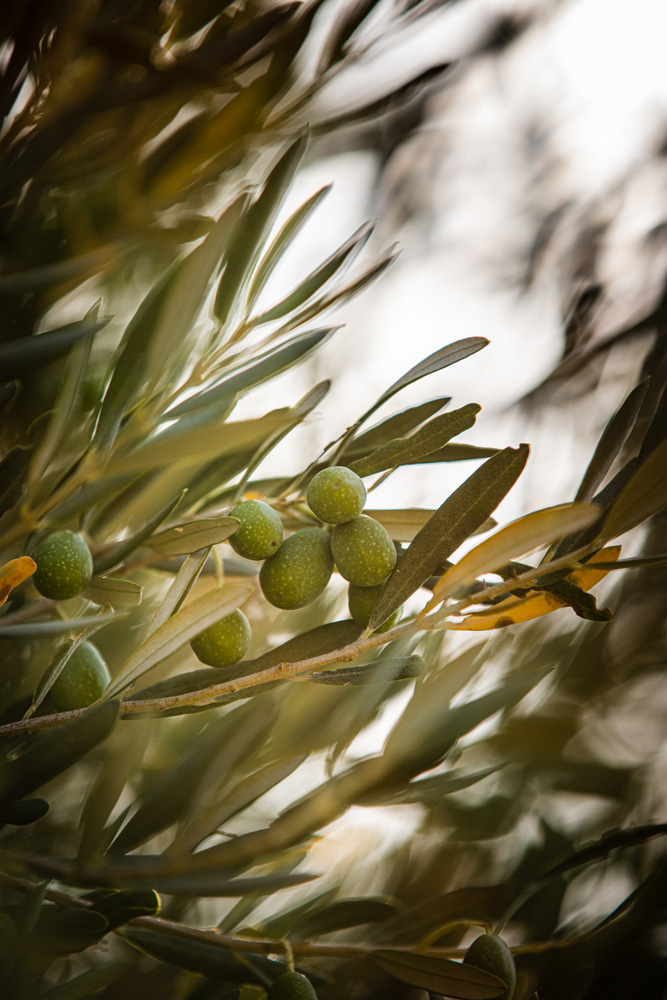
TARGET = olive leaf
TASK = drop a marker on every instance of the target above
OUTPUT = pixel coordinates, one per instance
(454, 521)
(190, 536)
(613, 438)
(441, 975)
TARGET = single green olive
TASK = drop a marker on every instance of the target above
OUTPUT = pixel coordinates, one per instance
(362, 600)
(261, 532)
(336, 495)
(299, 571)
(363, 551)
(224, 643)
(292, 986)
(490, 954)
(83, 679)
(64, 565)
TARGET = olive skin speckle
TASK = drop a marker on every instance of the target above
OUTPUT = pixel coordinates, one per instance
(64, 565)
(363, 551)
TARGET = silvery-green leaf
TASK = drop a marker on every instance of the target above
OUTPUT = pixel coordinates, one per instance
(613, 438)
(192, 535)
(113, 591)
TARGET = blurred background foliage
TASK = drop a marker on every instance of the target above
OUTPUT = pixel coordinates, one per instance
(522, 778)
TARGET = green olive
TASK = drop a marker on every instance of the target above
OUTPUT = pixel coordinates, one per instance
(299, 571)
(362, 600)
(490, 954)
(224, 643)
(363, 551)
(261, 532)
(64, 565)
(83, 679)
(292, 986)
(336, 495)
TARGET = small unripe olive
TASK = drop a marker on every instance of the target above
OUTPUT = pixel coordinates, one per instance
(490, 954)
(83, 679)
(363, 551)
(299, 571)
(292, 986)
(64, 565)
(224, 643)
(336, 495)
(261, 531)
(362, 600)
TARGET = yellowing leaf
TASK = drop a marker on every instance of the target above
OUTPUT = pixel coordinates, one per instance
(516, 539)
(514, 611)
(13, 573)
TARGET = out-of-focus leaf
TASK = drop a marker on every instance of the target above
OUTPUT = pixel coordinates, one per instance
(613, 438)
(186, 294)
(205, 957)
(49, 754)
(64, 410)
(431, 791)
(454, 521)
(113, 591)
(524, 535)
(116, 553)
(341, 914)
(610, 841)
(433, 435)
(657, 429)
(426, 731)
(13, 573)
(197, 437)
(213, 884)
(254, 226)
(170, 796)
(381, 671)
(62, 931)
(441, 975)
(174, 633)
(643, 496)
(57, 627)
(640, 562)
(347, 21)
(31, 352)
(604, 499)
(285, 236)
(317, 278)
(193, 535)
(83, 986)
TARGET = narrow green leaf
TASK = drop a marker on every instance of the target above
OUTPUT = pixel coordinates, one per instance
(61, 930)
(64, 408)
(457, 453)
(643, 496)
(32, 352)
(382, 671)
(613, 840)
(398, 425)
(213, 884)
(430, 791)
(46, 755)
(613, 438)
(640, 562)
(196, 438)
(116, 553)
(170, 796)
(433, 435)
(441, 975)
(186, 294)
(536, 530)
(435, 362)
(317, 278)
(31, 630)
(188, 622)
(120, 907)
(285, 236)
(404, 524)
(454, 521)
(190, 536)
(254, 226)
(262, 369)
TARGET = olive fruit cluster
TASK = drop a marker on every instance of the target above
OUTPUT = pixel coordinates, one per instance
(490, 954)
